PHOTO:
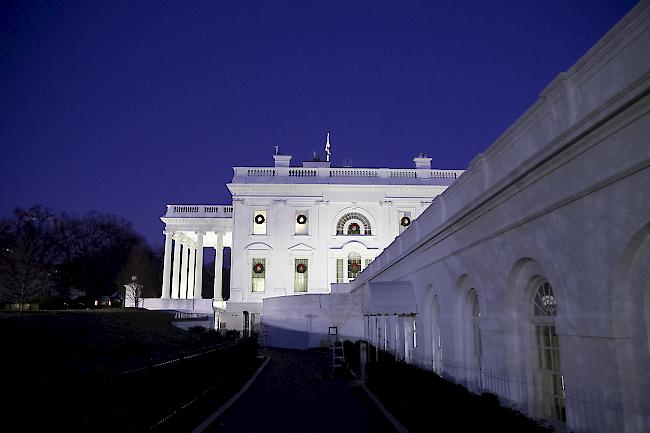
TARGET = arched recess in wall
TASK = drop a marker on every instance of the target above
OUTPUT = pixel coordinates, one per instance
(431, 331)
(548, 381)
(631, 317)
(529, 258)
(535, 302)
(468, 318)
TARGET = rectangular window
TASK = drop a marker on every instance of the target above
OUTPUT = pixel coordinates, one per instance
(549, 375)
(300, 277)
(301, 222)
(367, 262)
(259, 222)
(354, 267)
(415, 338)
(339, 271)
(258, 275)
(404, 220)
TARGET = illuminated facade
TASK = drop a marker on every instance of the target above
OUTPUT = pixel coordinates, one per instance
(292, 231)
(528, 278)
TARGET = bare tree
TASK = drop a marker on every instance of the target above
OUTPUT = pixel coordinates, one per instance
(29, 245)
(43, 254)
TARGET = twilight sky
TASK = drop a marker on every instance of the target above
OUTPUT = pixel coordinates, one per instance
(125, 106)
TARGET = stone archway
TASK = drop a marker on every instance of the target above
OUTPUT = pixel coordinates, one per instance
(631, 318)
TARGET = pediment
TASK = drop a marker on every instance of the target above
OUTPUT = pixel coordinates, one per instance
(301, 247)
(258, 246)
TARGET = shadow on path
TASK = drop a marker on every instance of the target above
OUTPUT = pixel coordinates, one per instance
(296, 393)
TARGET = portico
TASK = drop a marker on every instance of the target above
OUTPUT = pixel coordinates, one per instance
(188, 230)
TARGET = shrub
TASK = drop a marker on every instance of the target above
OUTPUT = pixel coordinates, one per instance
(416, 396)
(232, 334)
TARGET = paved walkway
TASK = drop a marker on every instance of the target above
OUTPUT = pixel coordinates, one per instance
(295, 393)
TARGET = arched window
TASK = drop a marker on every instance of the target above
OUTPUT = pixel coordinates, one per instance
(548, 379)
(353, 223)
(475, 349)
(437, 340)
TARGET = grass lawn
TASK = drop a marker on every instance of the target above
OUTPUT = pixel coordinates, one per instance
(66, 345)
(61, 369)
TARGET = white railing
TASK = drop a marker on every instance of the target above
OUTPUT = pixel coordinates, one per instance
(260, 171)
(388, 174)
(352, 172)
(404, 173)
(302, 172)
(198, 211)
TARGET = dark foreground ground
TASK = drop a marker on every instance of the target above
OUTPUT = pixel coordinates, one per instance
(297, 393)
(45, 346)
(114, 371)
(65, 371)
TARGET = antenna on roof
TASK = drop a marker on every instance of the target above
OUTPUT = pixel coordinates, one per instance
(327, 147)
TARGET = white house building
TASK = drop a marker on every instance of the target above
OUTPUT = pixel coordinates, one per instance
(528, 276)
(292, 230)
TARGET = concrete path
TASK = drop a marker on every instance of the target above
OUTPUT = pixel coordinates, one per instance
(295, 393)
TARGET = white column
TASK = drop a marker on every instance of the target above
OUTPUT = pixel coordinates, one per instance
(167, 266)
(176, 274)
(186, 255)
(198, 277)
(190, 274)
(218, 265)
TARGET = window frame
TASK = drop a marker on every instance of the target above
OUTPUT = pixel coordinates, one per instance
(255, 276)
(262, 228)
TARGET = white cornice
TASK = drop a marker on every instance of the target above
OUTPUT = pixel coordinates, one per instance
(315, 191)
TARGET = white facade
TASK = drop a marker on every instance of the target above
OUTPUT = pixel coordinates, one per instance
(529, 277)
(292, 231)
(327, 222)
(531, 274)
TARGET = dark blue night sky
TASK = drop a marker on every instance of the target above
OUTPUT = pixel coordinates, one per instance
(123, 107)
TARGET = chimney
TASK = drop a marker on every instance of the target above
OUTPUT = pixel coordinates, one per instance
(422, 162)
(282, 160)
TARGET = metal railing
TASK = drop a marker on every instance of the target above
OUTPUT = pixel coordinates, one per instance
(587, 410)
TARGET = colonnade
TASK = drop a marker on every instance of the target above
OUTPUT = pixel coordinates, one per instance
(183, 268)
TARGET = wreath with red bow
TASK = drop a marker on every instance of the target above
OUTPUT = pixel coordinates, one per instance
(301, 268)
(405, 221)
(258, 268)
(259, 219)
(354, 227)
(355, 267)
(301, 219)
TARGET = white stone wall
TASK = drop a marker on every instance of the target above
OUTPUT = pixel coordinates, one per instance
(325, 205)
(301, 322)
(562, 196)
